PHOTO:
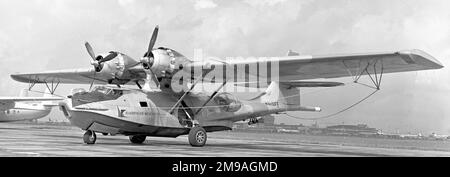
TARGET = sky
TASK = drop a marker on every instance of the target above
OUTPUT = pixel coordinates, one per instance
(38, 35)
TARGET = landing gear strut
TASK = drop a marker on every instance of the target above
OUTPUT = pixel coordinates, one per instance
(197, 136)
(89, 137)
(137, 139)
(253, 121)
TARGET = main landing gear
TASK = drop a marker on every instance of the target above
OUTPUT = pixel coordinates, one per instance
(89, 137)
(197, 136)
(137, 139)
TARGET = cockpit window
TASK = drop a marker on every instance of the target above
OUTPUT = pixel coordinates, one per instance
(228, 102)
(143, 104)
(99, 93)
(107, 91)
(101, 89)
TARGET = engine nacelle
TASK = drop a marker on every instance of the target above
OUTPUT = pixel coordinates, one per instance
(116, 67)
(163, 63)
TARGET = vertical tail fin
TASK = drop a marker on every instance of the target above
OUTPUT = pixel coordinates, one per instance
(281, 95)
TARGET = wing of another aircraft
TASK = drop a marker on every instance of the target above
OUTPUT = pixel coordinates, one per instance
(9, 102)
(14, 99)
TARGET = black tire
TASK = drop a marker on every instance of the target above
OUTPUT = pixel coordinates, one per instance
(137, 139)
(89, 137)
(197, 137)
(105, 134)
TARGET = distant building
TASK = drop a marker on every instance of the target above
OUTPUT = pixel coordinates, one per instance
(360, 129)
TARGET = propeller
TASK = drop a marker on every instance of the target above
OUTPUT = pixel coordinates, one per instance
(97, 61)
(93, 80)
(152, 41)
(148, 58)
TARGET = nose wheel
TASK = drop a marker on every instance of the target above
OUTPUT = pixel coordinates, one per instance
(89, 137)
(197, 136)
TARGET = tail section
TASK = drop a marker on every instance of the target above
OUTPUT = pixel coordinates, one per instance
(281, 96)
(284, 97)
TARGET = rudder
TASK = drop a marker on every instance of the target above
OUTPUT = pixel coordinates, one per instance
(281, 95)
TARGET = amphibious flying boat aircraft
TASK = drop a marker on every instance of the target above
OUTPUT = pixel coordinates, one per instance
(171, 112)
(26, 108)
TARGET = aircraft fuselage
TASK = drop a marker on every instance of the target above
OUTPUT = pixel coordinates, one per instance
(24, 111)
(137, 112)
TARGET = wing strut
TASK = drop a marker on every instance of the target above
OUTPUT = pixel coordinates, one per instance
(184, 95)
(210, 98)
(375, 78)
(52, 88)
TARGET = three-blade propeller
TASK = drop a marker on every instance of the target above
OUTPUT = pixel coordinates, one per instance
(147, 60)
(97, 61)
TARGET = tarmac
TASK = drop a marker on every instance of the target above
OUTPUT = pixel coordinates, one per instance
(30, 140)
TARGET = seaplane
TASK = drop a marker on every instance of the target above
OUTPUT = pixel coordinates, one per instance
(25, 108)
(164, 103)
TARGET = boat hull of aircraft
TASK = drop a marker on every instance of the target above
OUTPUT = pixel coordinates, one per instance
(133, 112)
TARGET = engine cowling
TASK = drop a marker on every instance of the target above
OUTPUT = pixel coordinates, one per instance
(117, 66)
(162, 64)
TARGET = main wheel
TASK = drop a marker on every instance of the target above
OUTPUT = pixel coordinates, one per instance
(197, 137)
(137, 139)
(89, 137)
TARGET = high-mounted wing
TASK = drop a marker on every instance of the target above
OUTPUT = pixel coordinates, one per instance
(80, 76)
(72, 76)
(289, 68)
(296, 68)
